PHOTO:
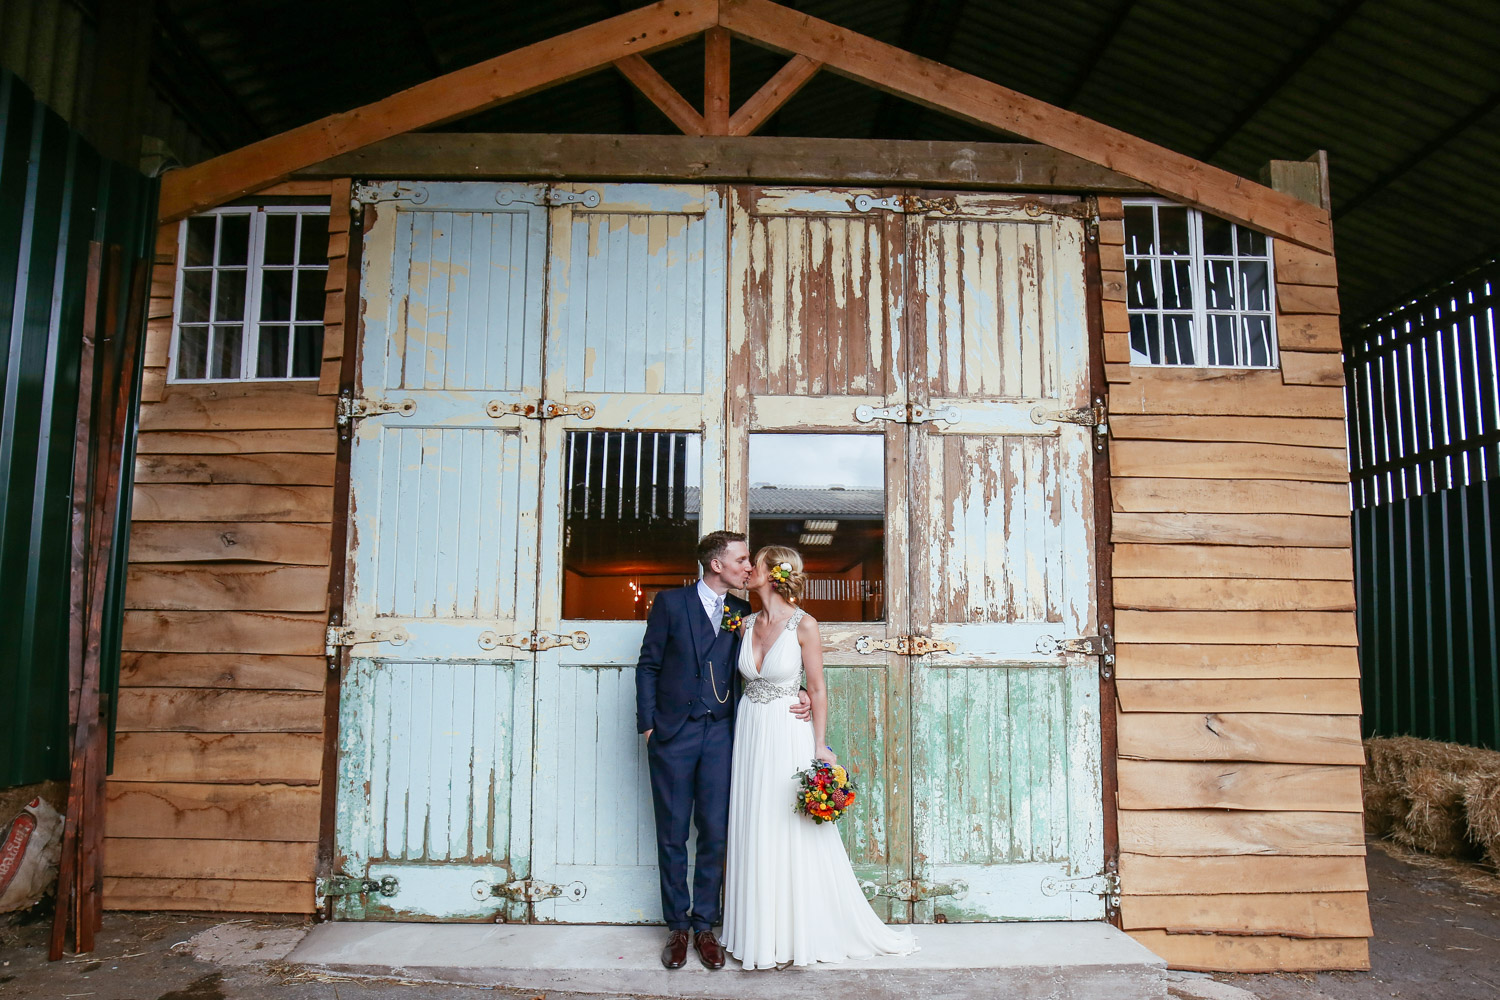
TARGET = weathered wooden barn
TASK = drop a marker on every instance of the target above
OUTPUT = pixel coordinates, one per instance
(441, 411)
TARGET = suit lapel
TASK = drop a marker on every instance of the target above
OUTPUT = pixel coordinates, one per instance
(703, 634)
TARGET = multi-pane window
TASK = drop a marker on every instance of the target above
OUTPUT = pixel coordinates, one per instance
(250, 286)
(1199, 289)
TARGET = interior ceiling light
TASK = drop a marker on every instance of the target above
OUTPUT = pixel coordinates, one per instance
(808, 538)
(820, 526)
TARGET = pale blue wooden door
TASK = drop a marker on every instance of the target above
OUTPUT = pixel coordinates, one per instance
(436, 720)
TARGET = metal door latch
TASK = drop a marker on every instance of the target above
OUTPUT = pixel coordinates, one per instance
(344, 635)
(547, 196)
(907, 203)
(906, 645)
(906, 413)
(1105, 885)
(1088, 645)
(529, 891)
(352, 408)
(913, 890)
(1085, 416)
(544, 409)
(348, 885)
(534, 642)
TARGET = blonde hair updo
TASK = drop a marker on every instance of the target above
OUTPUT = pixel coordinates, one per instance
(788, 582)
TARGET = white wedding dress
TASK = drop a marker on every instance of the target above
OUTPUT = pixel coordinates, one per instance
(790, 894)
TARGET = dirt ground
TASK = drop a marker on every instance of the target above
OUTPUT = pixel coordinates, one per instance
(1437, 937)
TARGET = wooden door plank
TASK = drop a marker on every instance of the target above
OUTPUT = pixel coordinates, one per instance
(211, 541)
(1227, 460)
(235, 406)
(1153, 784)
(248, 671)
(1229, 496)
(231, 758)
(1285, 739)
(259, 860)
(1316, 915)
(1317, 432)
(1145, 661)
(226, 587)
(1307, 695)
(276, 441)
(1191, 832)
(1145, 874)
(1255, 953)
(219, 895)
(1245, 562)
(1274, 530)
(236, 502)
(1206, 594)
(213, 812)
(775, 92)
(1206, 392)
(275, 469)
(199, 710)
(225, 632)
(1329, 628)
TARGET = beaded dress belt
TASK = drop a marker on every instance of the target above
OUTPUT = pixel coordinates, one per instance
(760, 691)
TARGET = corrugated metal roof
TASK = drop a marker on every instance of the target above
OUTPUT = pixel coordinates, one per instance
(1404, 94)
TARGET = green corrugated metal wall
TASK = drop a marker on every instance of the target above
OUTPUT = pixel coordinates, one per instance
(56, 195)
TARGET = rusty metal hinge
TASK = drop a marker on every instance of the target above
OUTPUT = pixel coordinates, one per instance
(913, 890)
(1091, 218)
(347, 635)
(547, 195)
(906, 645)
(1085, 416)
(348, 885)
(906, 203)
(1102, 646)
(528, 890)
(534, 642)
(369, 194)
(906, 413)
(1105, 885)
(544, 409)
(351, 407)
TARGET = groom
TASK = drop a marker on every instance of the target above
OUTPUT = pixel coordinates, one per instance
(686, 687)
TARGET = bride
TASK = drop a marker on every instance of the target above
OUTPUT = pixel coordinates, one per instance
(791, 896)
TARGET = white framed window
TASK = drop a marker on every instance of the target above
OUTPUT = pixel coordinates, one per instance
(1200, 290)
(249, 298)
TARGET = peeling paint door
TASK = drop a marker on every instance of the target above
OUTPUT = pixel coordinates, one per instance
(1006, 741)
(436, 721)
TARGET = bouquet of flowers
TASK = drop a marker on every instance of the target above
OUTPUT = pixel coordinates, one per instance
(825, 792)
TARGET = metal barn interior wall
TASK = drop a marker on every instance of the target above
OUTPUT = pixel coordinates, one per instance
(1424, 449)
(60, 195)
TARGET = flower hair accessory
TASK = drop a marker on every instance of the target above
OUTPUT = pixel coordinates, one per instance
(781, 572)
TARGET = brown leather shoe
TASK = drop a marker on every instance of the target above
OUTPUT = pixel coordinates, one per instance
(709, 949)
(674, 955)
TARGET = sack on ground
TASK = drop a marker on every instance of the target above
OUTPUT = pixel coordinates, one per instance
(30, 845)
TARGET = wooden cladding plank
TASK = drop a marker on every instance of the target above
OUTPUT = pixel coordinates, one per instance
(272, 470)
(1244, 562)
(1157, 784)
(1117, 349)
(153, 385)
(1146, 875)
(1229, 496)
(232, 758)
(1295, 914)
(1227, 460)
(1187, 661)
(1275, 530)
(161, 857)
(1189, 832)
(1275, 738)
(1116, 315)
(278, 442)
(1294, 256)
(236, 502)
(1292, 298)
(200, 710)
(1207, 594)
(1328, 628)
(1209, 392)
(248, 671)
(226, 587)
(211, 541)
(1112, 232)
(1255, 953)
(225, 632)
(239, 406)
(1316, 432)
(1312, 695)
(218, 895)
(1309, 333)
(212, 812)
(1309, 368)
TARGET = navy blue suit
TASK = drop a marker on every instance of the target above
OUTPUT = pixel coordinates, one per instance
(690, 709)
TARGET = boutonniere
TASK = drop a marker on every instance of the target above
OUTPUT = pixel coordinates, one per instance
(733, 621)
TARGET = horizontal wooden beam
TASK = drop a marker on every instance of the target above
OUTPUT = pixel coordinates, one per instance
(759, 159)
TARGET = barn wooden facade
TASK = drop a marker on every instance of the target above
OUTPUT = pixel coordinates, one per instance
(1150, 624)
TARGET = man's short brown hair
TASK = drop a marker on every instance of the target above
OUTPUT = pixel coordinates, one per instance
(712, 545)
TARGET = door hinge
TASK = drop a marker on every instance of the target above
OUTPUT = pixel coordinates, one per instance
(369, 194)
(544, 409)
(1085, 416)
(906, 413)
(906, 203)
(1105, 885)
(906, 645)
(534, 642)
(528, 891)
(348, 885)
(913, 890)
(547, 195)
(1102, 646)
(351, 407)
(346, 635)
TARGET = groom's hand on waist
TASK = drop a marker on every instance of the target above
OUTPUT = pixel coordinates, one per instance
(647, 734)
(803, 708)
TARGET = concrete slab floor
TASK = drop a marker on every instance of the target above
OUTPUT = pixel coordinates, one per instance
(1436, 938)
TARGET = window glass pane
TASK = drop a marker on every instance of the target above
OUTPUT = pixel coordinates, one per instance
(276, 295)
(1145, 339)
(199, 251)
(307, 355)
(310, 294)
(197, 286)
(281, 239)
(1218, 284)
(1222, 346)
(192, 351)
(229, 296)
(824, 495)
(1177, 284)
(1141, 284)
(1140, 235)
(1218, 236)
(630, 520)
(270, 353)
(1251, 243)
(224, 358)
(314, 240)
(1258, 340)
(234, 240)
(1255, 284)
(1177, 337)
(1174, 230)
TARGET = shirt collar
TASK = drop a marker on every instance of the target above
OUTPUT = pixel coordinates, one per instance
(706, 594)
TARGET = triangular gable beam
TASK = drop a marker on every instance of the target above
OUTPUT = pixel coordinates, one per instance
(636, 33)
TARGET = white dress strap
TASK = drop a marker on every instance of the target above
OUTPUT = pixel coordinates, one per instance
(794, 620)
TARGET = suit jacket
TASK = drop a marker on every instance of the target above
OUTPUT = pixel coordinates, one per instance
(670, 674)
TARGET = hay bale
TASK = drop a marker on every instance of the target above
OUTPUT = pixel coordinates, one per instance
(1482, 811)
(1435, 822)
